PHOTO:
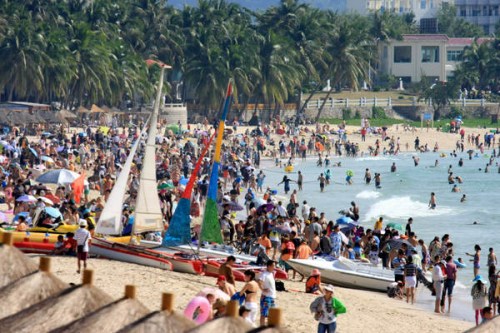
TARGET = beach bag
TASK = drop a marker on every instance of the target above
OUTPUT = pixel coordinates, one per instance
(280, 286)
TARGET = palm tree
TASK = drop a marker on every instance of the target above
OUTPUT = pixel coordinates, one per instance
(23, 56)
(351, 50)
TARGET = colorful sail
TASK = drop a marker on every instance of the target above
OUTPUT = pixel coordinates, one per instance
(210, 229)
(179, 231)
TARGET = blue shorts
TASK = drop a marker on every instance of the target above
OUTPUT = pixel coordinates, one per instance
(265, 304)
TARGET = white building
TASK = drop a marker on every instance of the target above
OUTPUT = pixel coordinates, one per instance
(434, 56)
(421, 8)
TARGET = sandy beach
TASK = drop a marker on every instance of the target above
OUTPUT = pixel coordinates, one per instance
(365, 310)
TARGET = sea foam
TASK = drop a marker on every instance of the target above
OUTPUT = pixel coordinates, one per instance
(368, 194)
(402, 208)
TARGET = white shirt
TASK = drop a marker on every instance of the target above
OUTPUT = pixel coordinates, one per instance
(437, 273)
(268, 283)
(82, 237)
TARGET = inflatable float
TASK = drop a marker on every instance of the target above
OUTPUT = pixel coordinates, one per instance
(198, 310)
(36, 237)
(289, 168)
(459, 264)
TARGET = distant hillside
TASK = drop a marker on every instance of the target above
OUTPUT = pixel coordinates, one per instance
(263, 4)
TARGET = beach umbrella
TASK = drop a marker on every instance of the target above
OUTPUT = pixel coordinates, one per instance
(47, 159)
(224, 325)
(53, 198)
(259, 202)
(396, 226)
(29, 290)
(160, 322)
(234, 206)
(344, 220)
(267, 207)
(397, 243)
(33, 151)
(77, 302)
(59, 176)
(26, 215)
(53, 212)
(164, 186)
(183, 181)
(26, 198)
(13, 265)
(214, 291)
(46, 201)
(123, 311)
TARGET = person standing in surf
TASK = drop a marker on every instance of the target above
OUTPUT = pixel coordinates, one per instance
(300, 180)
(432, 201)
(368, 176)
(322, 181)
(286, 181)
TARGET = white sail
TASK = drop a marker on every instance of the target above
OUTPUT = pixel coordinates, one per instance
(110, 220)
(148, 214)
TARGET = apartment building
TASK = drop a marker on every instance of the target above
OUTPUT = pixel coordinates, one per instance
(484, 13)
(435, 56)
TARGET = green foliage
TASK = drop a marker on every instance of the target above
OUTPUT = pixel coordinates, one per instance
(346, 113)
(456, 111)
(438, 93)
(378, 113)
(453, 26)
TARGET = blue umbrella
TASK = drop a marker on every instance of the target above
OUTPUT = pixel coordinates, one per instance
(183, 181)
(26, 215)
(34, 152)
(53, 212)
(344, 220)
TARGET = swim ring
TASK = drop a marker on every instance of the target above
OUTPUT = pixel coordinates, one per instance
(289, 168)
(349, 173)
(459, 264)
(198, 310)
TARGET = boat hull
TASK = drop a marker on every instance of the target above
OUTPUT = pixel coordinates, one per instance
(214, 252)
(378, 281)
(128, 254)
(35, 247)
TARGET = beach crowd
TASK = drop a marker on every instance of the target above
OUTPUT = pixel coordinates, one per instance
(276, 228)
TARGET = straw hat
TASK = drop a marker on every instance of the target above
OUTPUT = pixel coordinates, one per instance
(315, 272)
(329, 287)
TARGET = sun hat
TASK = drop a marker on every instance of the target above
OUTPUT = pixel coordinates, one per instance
(329, 287)
(315, 272)
(82, 223)
(478, 278)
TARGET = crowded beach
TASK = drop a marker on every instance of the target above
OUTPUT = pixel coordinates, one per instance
(60, 179)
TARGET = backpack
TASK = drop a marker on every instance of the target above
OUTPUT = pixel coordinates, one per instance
(280, 286)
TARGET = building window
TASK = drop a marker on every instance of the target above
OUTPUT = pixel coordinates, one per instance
(430, 53)
(402, 54)
(454, 55)
(406, 79)
(476, 11)
(423, 4)
(463, 11)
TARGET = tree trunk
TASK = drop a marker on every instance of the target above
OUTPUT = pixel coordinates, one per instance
(302, 108)
(318, 115)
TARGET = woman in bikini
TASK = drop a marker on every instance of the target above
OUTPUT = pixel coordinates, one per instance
(250, 291)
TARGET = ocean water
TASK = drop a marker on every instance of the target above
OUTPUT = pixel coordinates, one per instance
(405, 193)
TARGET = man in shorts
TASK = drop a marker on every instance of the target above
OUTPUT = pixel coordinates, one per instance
(438, 279)
(268, 287)
(82, 237)
(449, 282)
